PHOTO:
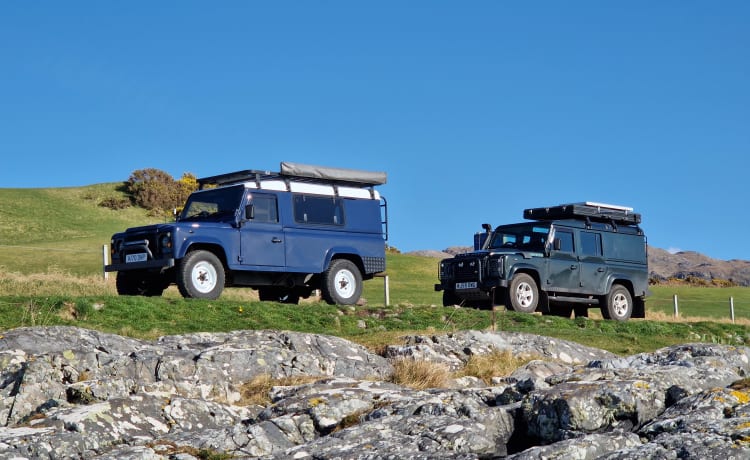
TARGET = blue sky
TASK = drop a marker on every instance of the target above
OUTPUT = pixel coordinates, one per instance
(476, 110)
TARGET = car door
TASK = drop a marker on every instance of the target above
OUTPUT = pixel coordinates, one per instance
(563, 267)
(262, 241)
(593, 267)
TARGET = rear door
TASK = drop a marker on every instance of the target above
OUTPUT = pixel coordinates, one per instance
(593, 267)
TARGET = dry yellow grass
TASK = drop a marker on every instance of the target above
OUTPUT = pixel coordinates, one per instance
(499, 363)
(256, 391)
(667, 318)
(420, 375)
(54, 283)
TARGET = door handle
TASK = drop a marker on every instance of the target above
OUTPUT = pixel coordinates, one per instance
(275, 240)
(573, 267)
(600, 269)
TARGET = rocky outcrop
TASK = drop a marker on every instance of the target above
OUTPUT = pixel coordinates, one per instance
(75, 393)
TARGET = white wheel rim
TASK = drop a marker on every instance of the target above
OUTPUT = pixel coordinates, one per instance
(524, 295)
(345, 284)
(620, 305)
(203, 277)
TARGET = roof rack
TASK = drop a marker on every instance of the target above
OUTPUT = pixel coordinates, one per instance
(589, 211)
(302, 173)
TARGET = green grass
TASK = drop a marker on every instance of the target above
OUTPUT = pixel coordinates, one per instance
(706, 302)
(60, 229)
(50, 254)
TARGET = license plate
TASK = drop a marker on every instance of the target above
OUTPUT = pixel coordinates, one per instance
(140, 257)
(469, 285)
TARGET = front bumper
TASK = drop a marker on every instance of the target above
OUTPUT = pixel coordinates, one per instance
(149, 264)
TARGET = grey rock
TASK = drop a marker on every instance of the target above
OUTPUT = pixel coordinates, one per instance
(75, 393)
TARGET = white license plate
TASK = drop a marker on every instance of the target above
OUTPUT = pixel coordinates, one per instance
(140, 257)
(469, 285)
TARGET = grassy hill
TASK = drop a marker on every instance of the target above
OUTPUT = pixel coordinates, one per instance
(60, 229)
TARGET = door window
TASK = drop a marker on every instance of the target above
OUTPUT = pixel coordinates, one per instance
(265, 209)
(566, 240)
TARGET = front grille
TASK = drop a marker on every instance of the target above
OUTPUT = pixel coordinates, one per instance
(150, 237)
(467, 269)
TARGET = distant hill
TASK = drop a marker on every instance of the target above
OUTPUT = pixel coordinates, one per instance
(663, 265)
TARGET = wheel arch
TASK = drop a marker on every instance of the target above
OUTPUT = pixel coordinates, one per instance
(348, 254)
(214, 248)
(543, 304)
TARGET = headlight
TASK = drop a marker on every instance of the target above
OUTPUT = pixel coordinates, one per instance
(166, 242)
(496, 267)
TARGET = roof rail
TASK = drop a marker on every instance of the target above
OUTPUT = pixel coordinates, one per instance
(588, 210)
(300, 172)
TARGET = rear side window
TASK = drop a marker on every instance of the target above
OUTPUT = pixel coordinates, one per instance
(591, 244)
(323, 210)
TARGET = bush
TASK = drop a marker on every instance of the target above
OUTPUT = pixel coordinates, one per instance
(156, 190)
(115, 203)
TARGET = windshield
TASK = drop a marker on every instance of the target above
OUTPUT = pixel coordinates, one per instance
(213, 204)
(523, 237)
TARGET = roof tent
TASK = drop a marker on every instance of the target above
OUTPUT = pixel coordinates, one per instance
(589, 210)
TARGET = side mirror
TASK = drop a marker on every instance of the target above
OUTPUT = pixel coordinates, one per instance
(249, 212)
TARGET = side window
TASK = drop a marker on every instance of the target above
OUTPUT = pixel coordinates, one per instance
(591, 244)
(566, 240)
(324, 210)
(265, 208)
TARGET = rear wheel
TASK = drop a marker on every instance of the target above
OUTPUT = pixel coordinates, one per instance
(200, 275)
(618, 304)
(342, 283)
(523, 293)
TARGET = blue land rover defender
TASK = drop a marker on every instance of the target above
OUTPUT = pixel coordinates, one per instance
(566, 259)
(284, 233)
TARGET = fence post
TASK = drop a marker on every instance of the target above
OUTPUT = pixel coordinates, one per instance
(676, 308)
(105, 252)
(731, 308)
(387, 288)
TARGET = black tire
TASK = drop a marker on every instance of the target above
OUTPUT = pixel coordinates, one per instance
(200, 275)
(523, 294)
(618, 304)
(140, 283)
(342, 283)
(280, 295)
(450, 299)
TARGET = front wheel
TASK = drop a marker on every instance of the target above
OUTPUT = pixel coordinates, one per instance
(523, 294)
(200, 275)
(342, 283)
(450, 299)
(618, 304)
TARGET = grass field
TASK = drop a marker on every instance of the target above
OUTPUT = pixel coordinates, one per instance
(50, 255)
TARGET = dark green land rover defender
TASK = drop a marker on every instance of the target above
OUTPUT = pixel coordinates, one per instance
(565, 259)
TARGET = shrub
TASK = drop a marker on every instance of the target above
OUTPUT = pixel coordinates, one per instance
(157, 191)
(115, 203)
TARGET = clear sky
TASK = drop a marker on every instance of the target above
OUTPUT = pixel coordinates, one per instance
(476, 110)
